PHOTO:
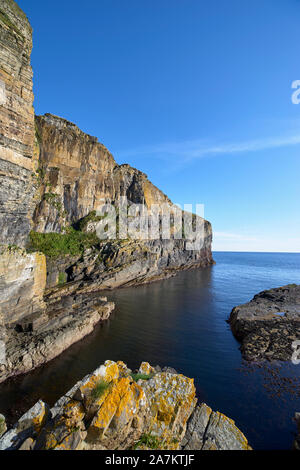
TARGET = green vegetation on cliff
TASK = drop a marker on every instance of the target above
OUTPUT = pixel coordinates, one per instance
(53, 245)
(148, 440)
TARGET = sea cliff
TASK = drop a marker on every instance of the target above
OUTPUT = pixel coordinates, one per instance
(53, 177)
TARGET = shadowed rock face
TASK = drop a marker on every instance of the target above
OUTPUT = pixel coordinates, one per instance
(17, 141)
(269, 324)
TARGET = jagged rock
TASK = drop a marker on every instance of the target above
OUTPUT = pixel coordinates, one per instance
(209, 430)
(82, 173)
(269, 324)
(28, 426)
(172, 399)
(28, 444)
(108, 410)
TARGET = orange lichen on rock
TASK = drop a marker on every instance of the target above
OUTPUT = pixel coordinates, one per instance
(116, 400)
(172, 399)
(108, 410)
(73, 412)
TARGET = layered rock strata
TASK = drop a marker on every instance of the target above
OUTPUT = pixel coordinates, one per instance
(269, 325)
(17, 128)
(114, 409)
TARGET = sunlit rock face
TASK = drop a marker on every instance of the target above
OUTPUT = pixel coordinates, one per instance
(77, 174)
(17, 134)
(81, 174)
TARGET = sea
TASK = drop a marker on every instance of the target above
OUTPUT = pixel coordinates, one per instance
(181, 322)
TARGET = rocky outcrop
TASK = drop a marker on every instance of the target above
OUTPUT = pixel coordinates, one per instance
(269, 324)
(210, 430)
(114, 409)
(129, 262)
(17, 141)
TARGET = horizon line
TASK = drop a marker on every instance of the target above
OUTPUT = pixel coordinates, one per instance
(267, 252)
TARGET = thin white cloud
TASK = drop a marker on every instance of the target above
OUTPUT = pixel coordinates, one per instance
(191, 150)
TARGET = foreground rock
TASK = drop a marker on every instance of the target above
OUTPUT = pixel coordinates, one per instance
(113, 409)
(210, 430)
(269, 324)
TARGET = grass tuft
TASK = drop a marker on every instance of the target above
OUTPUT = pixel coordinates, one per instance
(99, 389)
(150, 441)
(62, 278)
(137, 377)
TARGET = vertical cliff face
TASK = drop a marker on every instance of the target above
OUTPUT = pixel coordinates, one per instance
(77, 173)
(22, 275)
(17, 181)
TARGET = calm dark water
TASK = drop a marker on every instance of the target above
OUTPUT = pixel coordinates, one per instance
(181, 322)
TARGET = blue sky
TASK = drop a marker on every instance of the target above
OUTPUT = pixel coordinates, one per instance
(197, 94)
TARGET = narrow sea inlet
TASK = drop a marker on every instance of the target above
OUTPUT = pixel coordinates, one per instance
(181, 322)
